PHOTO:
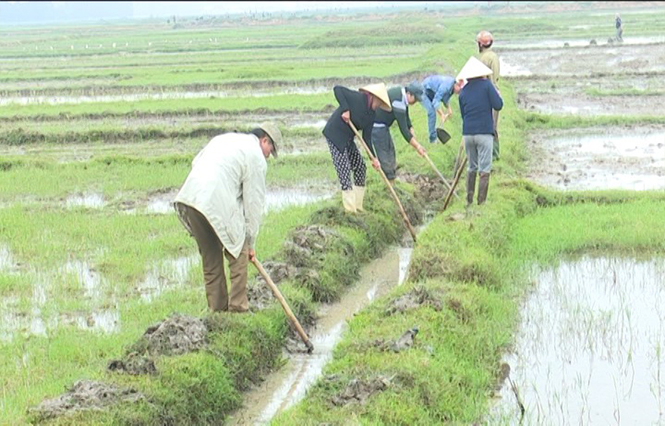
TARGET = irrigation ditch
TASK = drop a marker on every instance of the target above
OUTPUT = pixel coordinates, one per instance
(317, 264)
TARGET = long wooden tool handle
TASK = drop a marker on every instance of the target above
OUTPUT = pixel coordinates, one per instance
(459, 157)
(431, 163)
(459, 173)
(407, 222)
(285, 306)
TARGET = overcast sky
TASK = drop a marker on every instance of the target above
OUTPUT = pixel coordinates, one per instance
(162, 8)
(17, 12)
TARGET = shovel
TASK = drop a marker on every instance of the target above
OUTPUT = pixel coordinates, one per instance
(442, 135)
(407, 222)
(285, 306)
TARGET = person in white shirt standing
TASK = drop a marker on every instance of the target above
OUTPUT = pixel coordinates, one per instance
(221, 205)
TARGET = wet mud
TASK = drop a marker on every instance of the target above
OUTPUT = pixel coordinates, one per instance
(599, 158)
(624, 79)
(83, 395)
(630, 60)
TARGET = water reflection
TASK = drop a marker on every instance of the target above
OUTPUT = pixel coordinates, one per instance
(607, 161)
(590, 347)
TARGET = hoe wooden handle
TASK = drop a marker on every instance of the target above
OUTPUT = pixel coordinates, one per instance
(385, 179)
(285, 306)
(431, 163)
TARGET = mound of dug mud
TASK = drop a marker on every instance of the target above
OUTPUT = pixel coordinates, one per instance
(429, 189)
(84, 395)
(358, 391)
(177, 335)
(414, 299)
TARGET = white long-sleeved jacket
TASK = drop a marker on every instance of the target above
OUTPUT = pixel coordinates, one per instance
(227, 185)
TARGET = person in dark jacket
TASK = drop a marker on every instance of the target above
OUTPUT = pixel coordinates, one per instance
(477, 99)
(382, 143)
(359, 108)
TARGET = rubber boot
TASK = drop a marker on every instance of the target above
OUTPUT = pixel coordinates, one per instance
(483, 186)
(349, 200)
(470, 187)
(360, 196)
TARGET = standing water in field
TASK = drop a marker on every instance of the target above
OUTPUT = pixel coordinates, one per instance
(590, 347)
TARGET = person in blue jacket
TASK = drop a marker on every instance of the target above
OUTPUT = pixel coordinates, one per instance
(477, 99)
(438, 90)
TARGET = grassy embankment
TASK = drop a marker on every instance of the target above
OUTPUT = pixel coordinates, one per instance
(478, 268)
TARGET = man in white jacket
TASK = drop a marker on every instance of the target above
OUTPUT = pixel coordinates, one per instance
(221, 205)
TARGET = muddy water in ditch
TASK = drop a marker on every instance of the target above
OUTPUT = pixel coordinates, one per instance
(289, 384)
(590, 347)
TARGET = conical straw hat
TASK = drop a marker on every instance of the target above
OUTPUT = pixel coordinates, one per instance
(473, 69)
(379, 90)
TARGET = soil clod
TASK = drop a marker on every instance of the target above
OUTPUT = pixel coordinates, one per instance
(84, 395)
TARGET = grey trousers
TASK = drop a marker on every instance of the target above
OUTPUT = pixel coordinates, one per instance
(479, 152)
(384, 148)
(212, 252)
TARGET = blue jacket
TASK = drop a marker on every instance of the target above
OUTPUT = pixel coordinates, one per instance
(477, 99)
(442, 86)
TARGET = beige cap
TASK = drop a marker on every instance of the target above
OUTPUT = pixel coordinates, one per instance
(473, 69)
(379, 90)
(273, 131)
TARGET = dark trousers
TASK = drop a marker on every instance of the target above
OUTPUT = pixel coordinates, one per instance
(384, 148)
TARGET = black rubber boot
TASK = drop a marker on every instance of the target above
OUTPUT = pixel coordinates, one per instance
(470, 187)
(483, 186)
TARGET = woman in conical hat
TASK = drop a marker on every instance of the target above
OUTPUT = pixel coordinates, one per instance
(477, 99)
(358, 107)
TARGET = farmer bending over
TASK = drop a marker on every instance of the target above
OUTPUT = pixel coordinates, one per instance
(438, 90)
(221, 204)
(382, 143)
(357, 107)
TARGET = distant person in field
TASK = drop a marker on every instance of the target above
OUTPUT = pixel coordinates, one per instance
(619, 27)
(382, 143)
(358, 107)
(477, 99)
(221, 206)
(487, 56)
(438, 91)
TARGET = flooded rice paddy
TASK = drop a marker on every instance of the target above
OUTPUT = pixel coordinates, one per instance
(590, 347)
(599, 158)
(604, 79)
(567, 76)
(27, 317)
